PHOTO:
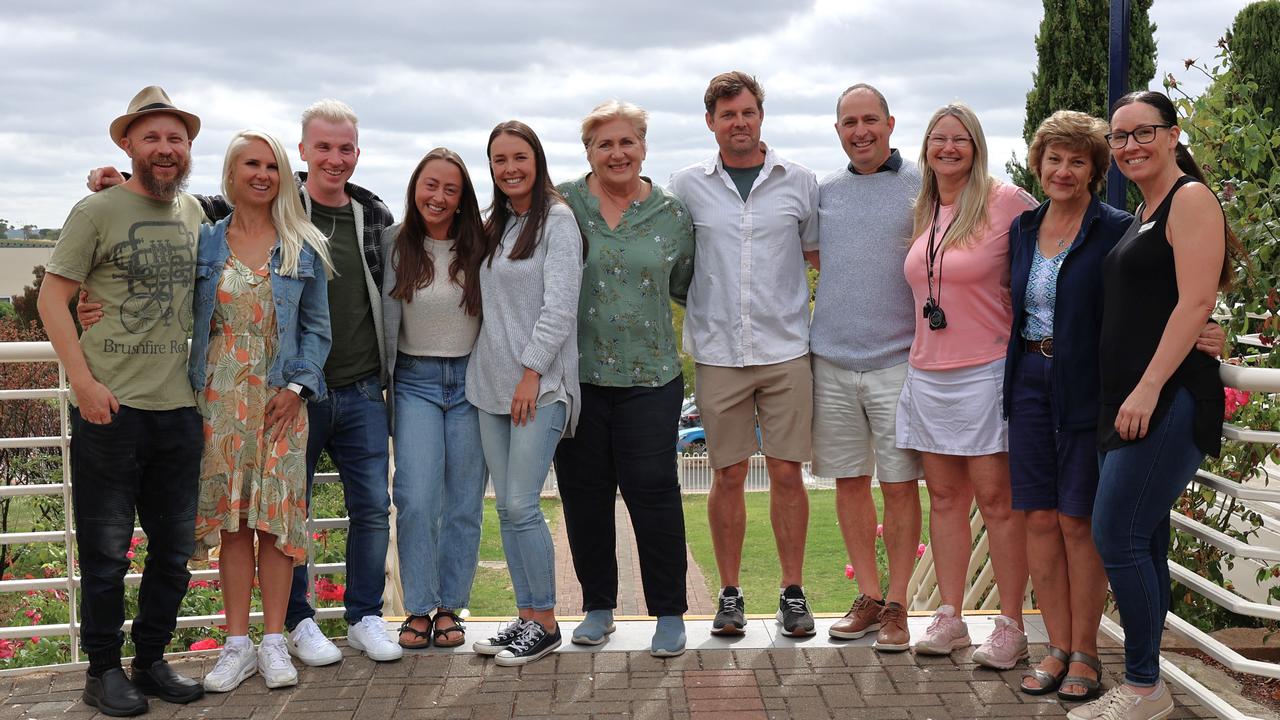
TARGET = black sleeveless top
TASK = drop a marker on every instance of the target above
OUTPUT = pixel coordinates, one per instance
(1140, 290)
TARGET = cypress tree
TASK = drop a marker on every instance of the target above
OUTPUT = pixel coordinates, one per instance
(1072, 64)
(1255, 45)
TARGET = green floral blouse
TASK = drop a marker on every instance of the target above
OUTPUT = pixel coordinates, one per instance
(625, 336)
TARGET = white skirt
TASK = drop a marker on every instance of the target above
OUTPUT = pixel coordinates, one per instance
(954, 412)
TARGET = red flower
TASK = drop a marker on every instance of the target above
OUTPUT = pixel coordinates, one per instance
(205, 644)
(6, 649)
(326, 589)
(1233, 401)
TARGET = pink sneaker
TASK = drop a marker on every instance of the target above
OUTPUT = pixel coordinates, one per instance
(1006, 645)
(946, 633)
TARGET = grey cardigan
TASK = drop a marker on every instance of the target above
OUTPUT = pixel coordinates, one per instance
(530, 311)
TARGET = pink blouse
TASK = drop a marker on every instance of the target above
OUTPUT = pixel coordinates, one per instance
(973, 291)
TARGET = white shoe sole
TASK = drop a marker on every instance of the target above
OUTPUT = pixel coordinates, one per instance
(395, 652)
(963, 642)
(279, 682)
(798, 632)
(841, 635)
(982, 659)
(485, 649)
(329, 657)
(584, 640)
(524, 659)
(245, 674)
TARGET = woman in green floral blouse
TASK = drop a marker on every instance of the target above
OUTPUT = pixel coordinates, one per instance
(641, 257)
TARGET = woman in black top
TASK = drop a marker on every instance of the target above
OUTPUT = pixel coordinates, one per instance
(1161, 399)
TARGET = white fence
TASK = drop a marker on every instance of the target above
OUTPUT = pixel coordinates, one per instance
(695, 476)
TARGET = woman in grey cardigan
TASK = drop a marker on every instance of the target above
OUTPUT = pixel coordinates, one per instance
(431, 312)
(523, 375)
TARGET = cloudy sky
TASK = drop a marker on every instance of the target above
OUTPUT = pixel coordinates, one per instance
(422, 74)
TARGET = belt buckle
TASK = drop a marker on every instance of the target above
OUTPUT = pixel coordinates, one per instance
(1046, 347)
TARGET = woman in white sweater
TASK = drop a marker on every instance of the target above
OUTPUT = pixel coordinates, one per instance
(523, 374)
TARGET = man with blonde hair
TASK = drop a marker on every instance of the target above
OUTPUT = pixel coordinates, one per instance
(747, 327)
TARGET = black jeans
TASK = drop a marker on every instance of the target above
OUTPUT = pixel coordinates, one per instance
(625, 440)
(145, 462)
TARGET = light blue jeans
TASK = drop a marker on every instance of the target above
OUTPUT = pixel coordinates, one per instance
(439, 483)
(519, 459)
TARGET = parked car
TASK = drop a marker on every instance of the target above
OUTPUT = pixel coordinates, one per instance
(689, 415)
(691, 441)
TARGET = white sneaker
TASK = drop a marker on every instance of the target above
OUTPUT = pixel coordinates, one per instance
(274, 664)
(308, 643)
(369, 636)
(235, 664)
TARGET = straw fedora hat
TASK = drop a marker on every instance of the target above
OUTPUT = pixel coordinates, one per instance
(152, 99)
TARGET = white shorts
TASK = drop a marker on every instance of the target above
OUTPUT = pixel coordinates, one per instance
(853, 424)
(954, 412)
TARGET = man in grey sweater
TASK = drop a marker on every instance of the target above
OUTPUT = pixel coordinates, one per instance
(863, 321)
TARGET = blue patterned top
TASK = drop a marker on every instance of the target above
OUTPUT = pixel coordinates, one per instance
(1042, 293)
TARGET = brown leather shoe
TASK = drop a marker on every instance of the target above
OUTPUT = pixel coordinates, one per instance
(862, 618)
(893, 635)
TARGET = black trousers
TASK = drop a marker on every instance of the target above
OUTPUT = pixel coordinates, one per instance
(625, 441)
(145, 462)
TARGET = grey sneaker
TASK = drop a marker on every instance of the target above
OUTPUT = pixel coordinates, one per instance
(793, 612)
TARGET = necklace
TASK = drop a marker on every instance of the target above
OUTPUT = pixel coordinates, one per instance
(626, 201)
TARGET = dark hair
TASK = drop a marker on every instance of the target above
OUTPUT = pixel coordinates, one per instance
(544, 194)
(1188, 165)
(729, 85)
(415, 268)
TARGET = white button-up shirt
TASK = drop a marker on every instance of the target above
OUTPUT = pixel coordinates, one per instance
(749, 299)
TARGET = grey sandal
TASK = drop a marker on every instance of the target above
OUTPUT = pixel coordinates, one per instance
(1091, 685)
(1047, 682)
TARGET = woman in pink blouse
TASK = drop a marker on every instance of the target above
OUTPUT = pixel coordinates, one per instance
(950, 408)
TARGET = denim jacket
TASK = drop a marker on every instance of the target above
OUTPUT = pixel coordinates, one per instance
(1077, 313)
(302, 314)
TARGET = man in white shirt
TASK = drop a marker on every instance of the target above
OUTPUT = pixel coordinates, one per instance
(747, 328)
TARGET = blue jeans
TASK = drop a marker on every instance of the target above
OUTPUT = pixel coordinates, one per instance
(519, 459)
(439, 486)
(1138, 485)
(351, 423)
(148, 462)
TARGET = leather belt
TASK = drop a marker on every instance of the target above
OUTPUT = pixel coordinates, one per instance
(1040, 347)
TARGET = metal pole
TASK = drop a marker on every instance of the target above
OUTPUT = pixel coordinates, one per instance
(1117, 85)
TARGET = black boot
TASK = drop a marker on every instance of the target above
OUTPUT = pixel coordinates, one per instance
(113, 694)
(164, 682)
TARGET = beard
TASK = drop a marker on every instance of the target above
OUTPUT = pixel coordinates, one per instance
(162, 189)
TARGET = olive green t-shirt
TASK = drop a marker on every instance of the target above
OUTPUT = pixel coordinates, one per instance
(354, 354)
(136, 256)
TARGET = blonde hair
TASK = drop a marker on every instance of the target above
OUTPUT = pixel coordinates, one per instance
(1075, 131)
(610, 110)
(287, 214)
(971, 212)
(331, 110)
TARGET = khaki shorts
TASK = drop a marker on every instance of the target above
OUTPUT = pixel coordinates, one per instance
(731, 399)
(854, 414)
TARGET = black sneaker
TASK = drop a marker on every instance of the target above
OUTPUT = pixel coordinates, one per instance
(730, 620)
(793, 612)
(499, 642)
(533, 644)
(113, 694)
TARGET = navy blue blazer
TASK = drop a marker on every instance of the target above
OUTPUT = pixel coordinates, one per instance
(1077, 312)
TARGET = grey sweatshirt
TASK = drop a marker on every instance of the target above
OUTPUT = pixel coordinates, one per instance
(863, 313)
(530, 319)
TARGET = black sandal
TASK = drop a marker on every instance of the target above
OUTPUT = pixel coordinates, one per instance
(423, 637)
(1047, 682)
(1091, 685)
(438, 634)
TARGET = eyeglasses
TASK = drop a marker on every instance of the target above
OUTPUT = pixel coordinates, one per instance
(1143, 134)
(960, 141)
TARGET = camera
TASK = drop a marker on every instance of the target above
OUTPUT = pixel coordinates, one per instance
(934, 314)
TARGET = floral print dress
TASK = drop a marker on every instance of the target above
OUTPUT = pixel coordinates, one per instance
(244, 477)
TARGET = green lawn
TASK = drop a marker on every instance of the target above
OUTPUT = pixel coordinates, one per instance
(825, 558)
(491, 593)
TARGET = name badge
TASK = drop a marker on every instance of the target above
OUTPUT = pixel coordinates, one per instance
(1147, 226)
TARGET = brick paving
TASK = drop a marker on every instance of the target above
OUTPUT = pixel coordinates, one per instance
(796, 683)
(630, 589)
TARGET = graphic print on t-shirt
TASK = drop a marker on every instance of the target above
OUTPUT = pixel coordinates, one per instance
(156, 263)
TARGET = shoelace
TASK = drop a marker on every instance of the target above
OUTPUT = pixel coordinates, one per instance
(1003, 635)
(375, 626)
(862, 602)
(730, 603)
(530, 634)
(938, 621)
(309, 635)
(796, 605)
(230, 655)
(277, 656)
(1111, 705)
(508, 634)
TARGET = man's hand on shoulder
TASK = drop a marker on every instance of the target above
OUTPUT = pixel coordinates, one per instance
(103, 177)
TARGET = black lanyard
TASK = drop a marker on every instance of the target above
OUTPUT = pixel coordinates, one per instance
(934, 253)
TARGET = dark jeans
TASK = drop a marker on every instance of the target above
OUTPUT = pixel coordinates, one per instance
(1139, 484)
(145, 462)
(625, 441)
(351, 423)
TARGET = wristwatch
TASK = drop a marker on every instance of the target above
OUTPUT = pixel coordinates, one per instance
(299, 390)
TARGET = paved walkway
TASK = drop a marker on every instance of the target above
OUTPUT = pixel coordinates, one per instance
(630, 589)
(760, 676)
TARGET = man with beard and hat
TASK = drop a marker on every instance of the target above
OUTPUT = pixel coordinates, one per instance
(135, 433)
